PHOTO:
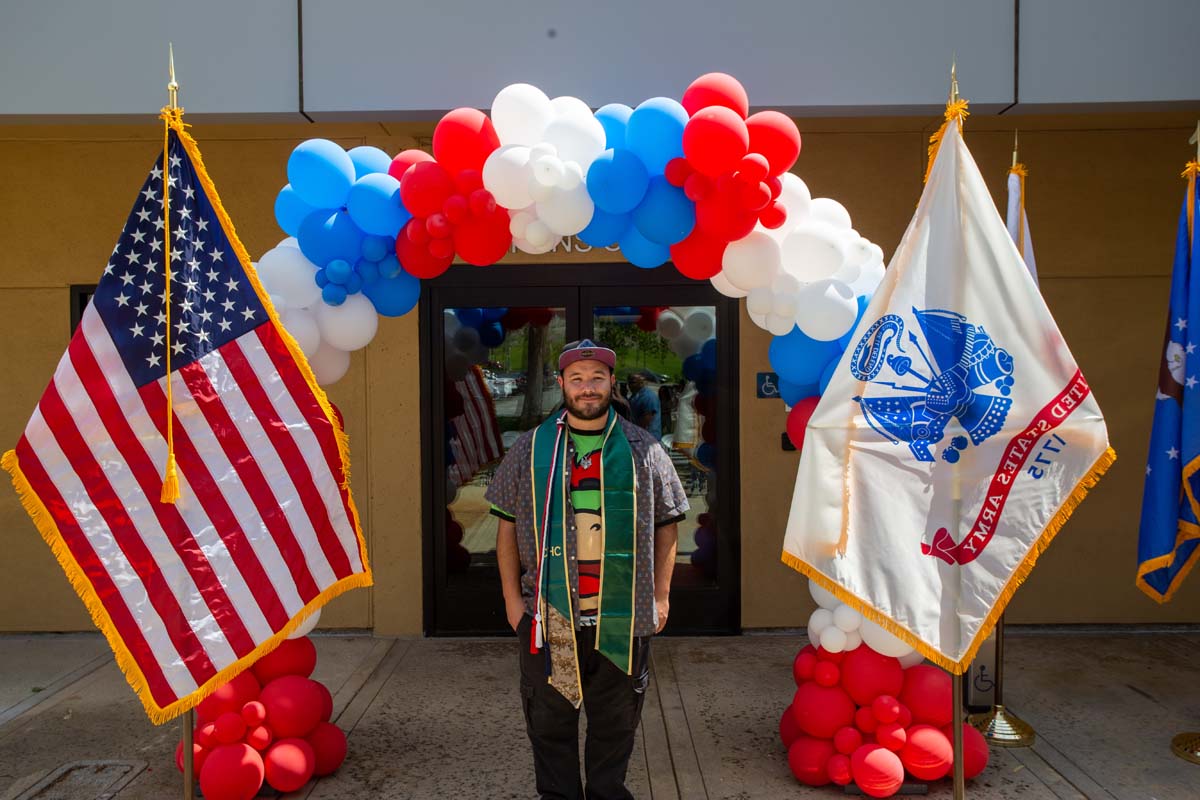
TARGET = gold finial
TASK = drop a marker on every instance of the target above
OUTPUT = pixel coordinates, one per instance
(954, 78)
(1014, 148)
(1195, 139)
(172, 87)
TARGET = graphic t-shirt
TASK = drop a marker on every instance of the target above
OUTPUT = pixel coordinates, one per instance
(589, 524)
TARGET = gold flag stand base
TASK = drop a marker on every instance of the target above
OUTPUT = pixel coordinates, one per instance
(1003, 728)
(1187, 746)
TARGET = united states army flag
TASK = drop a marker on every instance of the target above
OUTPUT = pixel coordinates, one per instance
(956, 436)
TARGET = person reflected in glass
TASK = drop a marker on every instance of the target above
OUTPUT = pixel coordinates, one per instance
(643, 403)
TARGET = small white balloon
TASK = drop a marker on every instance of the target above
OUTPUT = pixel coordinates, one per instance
(758, 319)
(306, 627)
(285, 271)
(290, 241)
(506, 176)
(853, 640)
(566, 213)
(722, 285)
(879, 640)
(780, 326)
(302, 325)
(684, 346)
(820, 619)
(700, 324)
(912, 659)
(752, 261)
(548, 170)
(542, 149)
(783, 304)
(833, 639)
(826, 209)
(351, 325)
(520, 114)
(572, 176)
(823, 597)
(813, 251)
(759, 300)
(278, 303)
(525, 246)
(540, 192)
(579, 137)
(795, 198)
(869, 277)
(826, 310)
(538, 233)
(847, 618)
(520, 222)
(329, 364)
(669, 324)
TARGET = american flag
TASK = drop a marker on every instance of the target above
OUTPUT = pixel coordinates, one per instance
(264, 531)
(475, 433)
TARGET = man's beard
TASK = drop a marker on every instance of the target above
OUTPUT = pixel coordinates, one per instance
(579, 411)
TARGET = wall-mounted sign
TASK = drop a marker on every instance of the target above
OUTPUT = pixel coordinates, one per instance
(768, 384)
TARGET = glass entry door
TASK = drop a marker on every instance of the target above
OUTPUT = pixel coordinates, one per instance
(489, 374)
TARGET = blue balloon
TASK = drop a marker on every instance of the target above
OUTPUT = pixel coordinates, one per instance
(493, 314)
(376, 248)
(390, 267)
(367, 159)
(334, 294)
(394, 296)
(693, 367)
(614, 117)
(793, 393)
(827, 375)
(708, 352)
(706, 454)
(863, 302)
(605, 228)
(368, 271)
(655, 132)
(338, 271)
(641, 252)
(290, 210)
(796, 358)
(470, 317)
(374, 205)
(617, 181)
(665, 215)
(491, 334)
(354, 283)
(329, 235)
(321, 278)
(321, 172)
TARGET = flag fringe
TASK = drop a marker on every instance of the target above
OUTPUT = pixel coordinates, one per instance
(1182, 536)
(343, 440)
(955, 110)
(1072, 501)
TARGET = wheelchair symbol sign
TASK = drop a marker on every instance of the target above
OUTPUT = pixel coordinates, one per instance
(768, 384)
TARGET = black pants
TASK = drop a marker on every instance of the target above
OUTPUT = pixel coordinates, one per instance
(613, 702)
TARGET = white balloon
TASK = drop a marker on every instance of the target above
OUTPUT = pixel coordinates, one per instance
(306, 627)
(329, 364)
(783, 304)
(466, 339)
(520, 114)
(820, 619)
(912, 659)
(780, 326)
(506, 176)
(578, 137)
(828, 210)
(542, 149)
(847, 618)
(824, 598)
(525, 246)
(700, 325)
(349, 326)
(572, 176)
(684, 346)
(567, 106)
(548, 170)
(566, 212)
(758, 319)
(853, 640)
(278, 303)
(826, 310)
(540, 192)
(538, 233)
(759, 300)
(290, 241)
(813, 250)
(796, 198)
(869, 278)
(833, 639)
(286, 272)
(751, 262)
(519, 223)
(302, 325)
(722, 285)
(881, 641)
(669, 324)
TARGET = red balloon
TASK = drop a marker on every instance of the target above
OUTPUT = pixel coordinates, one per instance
(975, 749)
(327, 697)
(722, 216)
(788, 729)
(886, 708)
(775, 185)
(754, 197)
(206, 735)
(426, 188)
(867, 674)
(804, 665)
(697, 187)
(254, 713)
(776, 137)
(838, 767)
(807, 758)
(716, 89)
(229, 697)
(199, 753)
(755, 168)
(463, 139)
(415, 257)
(232, 772)
(540, 317)
(865, 721)
(515, 319)
(441, 248)
(847, 740)
(821, 710)
(467, 181)
(438, 226)
(406, 159)
(483, 203)
(229, 728)
(291, 657)
(329, 745)
(905, 717)
(891, 736)
(928, 754)
(773, 216)
(293, 704)
(708, 431)
(797, 422)
(825, 655)
(259, 737)
(715, 140)
(698, 256)
(877, 770)
(647, 322)
(289, 763)
(416, 231)
(677, 172)
(455, 208)
(927, 693)
(826, 673)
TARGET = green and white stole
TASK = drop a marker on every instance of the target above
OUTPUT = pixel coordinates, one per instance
(549, 471)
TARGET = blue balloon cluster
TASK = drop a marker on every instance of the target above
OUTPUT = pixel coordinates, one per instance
(636, 207)
(805, 365)
(345, 211)
(486, 321)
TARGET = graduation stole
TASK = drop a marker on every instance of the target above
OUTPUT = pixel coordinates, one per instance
(550, 475)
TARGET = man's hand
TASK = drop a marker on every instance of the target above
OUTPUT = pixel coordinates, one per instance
(515, 611)
(663, 608)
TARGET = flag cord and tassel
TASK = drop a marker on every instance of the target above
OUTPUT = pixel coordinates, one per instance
(956, 109)
(170, 488)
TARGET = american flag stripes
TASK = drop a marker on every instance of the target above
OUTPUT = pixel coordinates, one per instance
(475, 433)
(265, 530)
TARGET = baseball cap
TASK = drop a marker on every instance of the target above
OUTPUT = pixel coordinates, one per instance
(585, 350)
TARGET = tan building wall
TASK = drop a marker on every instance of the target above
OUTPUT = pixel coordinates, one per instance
(1103, 199)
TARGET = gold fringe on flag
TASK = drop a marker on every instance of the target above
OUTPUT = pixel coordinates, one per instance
(955, 110)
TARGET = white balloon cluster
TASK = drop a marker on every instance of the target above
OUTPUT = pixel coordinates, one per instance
(686, 329)
(325, 333)
(837, 627)
(463, 347)
(538, 172)
(809, 272)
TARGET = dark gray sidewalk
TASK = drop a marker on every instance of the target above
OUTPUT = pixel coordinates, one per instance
(439, 718)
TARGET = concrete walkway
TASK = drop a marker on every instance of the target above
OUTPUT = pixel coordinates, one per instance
(439, 718)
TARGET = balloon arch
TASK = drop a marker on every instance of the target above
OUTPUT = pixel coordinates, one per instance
(701, 183)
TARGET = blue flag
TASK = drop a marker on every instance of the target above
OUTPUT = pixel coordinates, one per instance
(1169, 538)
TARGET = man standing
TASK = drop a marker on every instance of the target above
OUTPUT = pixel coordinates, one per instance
(644, 405)
(588, 506)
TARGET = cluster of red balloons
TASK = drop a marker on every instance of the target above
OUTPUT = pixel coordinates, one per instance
(451, 211)
(648, 317)
(270, 723)
(731, 167)
(859, 716)
(517, 318)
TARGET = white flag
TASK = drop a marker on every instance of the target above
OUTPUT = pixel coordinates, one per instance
(1018, 221)
(956, 436)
